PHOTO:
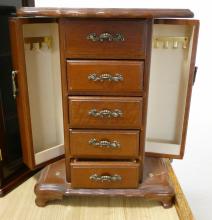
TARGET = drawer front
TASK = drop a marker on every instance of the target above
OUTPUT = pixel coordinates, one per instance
(97, 112)
(105, 77)
(108, 39)
(104, 175)
(104, 144)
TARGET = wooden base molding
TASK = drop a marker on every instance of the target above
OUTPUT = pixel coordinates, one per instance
(52, 185)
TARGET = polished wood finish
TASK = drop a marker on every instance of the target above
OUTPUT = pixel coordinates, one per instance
(2, 136)
(65, 103)
(146, 93)
(52, 185)
(127, 139)
(15, 180)
(190, 85)
(75, 32)
(79, 106)
(131, 108)
(17, 46)
(79, 84)
(80, 57)
(106, 12)
(82, 171)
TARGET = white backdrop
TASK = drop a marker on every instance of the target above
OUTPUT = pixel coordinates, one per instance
(195, 170)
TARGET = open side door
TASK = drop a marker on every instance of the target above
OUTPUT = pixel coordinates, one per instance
(37, 88)
(171, 79)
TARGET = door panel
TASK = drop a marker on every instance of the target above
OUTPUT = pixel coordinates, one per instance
(171, 80)
(17, 47)
(39, 98)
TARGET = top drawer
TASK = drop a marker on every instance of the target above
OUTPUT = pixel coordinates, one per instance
(108, 39)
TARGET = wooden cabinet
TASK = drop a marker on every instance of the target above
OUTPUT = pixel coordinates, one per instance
(104, 88)
(12, 169)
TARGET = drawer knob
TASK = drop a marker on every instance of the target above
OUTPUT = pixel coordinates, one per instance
(105, 113)
(108, 178)
(105, 37)
(105, 77)
(104, 143)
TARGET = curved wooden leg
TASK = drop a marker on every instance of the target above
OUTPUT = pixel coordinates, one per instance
(45, 194)
(167, 202)
(41, 202)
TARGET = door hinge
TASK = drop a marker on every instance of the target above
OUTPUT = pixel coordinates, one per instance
(195, 74)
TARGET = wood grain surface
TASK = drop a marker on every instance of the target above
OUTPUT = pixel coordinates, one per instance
(76, 31)
(82, 171)
(131, 108)
(105, 12)
(52, 184)
(81, 147)
(78, 72)
(22, 101)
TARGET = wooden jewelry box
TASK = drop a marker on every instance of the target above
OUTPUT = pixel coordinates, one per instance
(107, 87)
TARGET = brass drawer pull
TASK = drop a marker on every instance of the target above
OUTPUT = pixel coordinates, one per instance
(14, 86)
(1, 158)
(104, 143)
(105, 77)
(105, 37)
(108, 178)
(105, 113)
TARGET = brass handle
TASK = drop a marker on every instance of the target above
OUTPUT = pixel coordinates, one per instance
(105, 77)
(105, 37)
(108, 178)
(105, 113)
(15, 89)
(1, 158)
(104, 143)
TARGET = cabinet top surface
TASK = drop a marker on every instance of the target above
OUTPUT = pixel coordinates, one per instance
(105, 12)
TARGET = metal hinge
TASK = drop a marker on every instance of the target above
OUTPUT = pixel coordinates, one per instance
(195, 74)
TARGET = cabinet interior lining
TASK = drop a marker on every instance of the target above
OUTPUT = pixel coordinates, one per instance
(44, 89)
(169, 76)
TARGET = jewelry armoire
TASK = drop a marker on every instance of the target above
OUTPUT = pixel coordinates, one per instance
(108, 88)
